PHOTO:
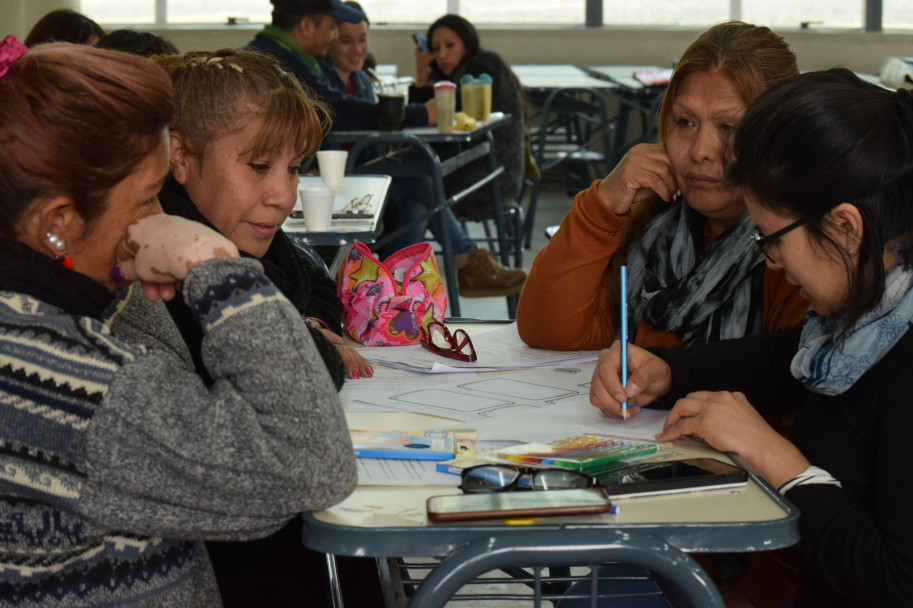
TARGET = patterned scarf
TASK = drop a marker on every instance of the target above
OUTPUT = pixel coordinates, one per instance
(703, 296)
(830, 364)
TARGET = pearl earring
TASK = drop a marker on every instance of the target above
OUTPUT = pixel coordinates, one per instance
(61, 247)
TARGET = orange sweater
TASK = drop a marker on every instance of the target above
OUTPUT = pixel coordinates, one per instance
(564, 305)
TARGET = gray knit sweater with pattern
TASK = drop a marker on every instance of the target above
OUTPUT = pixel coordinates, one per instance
(116, 462)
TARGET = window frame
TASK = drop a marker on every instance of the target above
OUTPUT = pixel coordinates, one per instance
(872, 21)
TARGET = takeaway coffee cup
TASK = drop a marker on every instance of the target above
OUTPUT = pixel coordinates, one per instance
(391, 111)
(332, 165)
(317, 207)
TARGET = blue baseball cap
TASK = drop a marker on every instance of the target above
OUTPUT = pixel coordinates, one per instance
(334, 8)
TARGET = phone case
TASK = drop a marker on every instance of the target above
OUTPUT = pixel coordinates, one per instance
(697, 474)
(506, 505)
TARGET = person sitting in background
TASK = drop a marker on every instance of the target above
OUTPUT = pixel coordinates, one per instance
(64, 25)
(693, 275)
(826, 166)
(478, 272)
(300, 33)
(454, 52)
(242, 128)
(144, 44)
(119, 459)
(344, 62)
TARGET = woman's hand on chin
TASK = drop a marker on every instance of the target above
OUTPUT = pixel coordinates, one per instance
(645, 169)
(160, 250)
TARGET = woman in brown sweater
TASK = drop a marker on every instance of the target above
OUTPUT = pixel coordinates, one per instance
(665, 211)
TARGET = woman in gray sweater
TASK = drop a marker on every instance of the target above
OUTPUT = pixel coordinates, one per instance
(117, 460)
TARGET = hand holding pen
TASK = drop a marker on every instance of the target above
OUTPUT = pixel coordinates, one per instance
(649, 378)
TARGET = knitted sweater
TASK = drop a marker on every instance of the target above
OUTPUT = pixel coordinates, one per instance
(309, 289)
(116, 461)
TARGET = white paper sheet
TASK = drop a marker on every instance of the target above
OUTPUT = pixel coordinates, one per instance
(473, 397)
(391, 472)
(499, 349)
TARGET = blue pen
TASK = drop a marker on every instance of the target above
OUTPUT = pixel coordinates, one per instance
(623, 289)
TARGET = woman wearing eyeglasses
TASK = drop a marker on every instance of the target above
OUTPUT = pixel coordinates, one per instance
(693, 275)
(826, 162)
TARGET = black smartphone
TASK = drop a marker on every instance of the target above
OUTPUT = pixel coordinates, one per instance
(671, 476)
(422, 41)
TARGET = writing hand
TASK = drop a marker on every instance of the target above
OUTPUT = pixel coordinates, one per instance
(649, 377)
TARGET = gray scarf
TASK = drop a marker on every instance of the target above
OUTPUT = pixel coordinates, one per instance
(703, 296)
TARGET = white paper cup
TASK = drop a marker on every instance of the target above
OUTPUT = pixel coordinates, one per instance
(317, 207)
(332, 165)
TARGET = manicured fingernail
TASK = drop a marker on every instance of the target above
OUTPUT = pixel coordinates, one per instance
(116, 274)
(353, 374)
(632, 402)
(632, 389)
(620, 398)
(369, 371)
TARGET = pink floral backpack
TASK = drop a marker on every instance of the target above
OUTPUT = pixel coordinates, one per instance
(388, 303)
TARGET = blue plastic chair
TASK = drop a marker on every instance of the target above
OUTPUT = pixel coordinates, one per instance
(678, 578)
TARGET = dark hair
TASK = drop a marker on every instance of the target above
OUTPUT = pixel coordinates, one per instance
(144, 44)
(64, 25)
(824, 138)
(752, 58)
(217, 93)
(100, 114)
(462, 28)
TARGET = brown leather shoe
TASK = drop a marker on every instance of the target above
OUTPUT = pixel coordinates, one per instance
(483, 276)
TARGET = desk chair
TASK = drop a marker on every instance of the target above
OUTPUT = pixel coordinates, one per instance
(683, 582)
(574, 131)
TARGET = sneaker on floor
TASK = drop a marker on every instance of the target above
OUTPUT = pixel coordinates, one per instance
(484, 276)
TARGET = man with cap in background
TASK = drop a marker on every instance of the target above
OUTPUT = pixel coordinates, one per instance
(300, 33)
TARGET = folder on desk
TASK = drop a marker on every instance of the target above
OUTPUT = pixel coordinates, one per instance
(654, 78)
(414, 445)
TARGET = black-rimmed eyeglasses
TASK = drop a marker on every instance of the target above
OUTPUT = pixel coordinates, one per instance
(505, 478)
(764, 243)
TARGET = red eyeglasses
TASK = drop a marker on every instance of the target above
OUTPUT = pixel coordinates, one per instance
(440, 341)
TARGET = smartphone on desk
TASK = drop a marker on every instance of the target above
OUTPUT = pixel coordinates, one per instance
(506, 505)
(671, 476)
(422, 41)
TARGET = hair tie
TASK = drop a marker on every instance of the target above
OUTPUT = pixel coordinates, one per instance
(10, 50)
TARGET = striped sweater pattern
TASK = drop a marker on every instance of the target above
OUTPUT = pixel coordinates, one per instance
(55, 370)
